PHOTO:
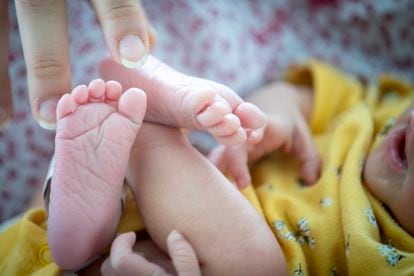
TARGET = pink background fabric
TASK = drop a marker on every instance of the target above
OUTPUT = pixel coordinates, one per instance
(243, 44)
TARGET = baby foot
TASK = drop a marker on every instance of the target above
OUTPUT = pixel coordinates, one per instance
(96, 128)
(179, 100)
(289, 133)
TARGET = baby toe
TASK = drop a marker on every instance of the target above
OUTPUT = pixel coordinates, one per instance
(113, 90)
(251, 116)
(80, 94)
(213, 114)
(65, 106)
(237, 138)
(228, 126)
(96, 90)
(133, 104)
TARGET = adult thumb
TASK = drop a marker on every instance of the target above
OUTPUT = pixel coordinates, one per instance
(126, 30)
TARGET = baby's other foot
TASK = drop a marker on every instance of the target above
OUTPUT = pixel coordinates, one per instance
(280, 133)
(179, 100)
(96, 128)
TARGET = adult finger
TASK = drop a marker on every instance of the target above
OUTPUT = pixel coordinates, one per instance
(183, 255)
(6, 105)
(43, 30)
(125, 28)
(124, 262)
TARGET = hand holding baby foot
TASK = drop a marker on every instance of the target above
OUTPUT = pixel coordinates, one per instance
(287, 129)
(127, 31)
(178, 100)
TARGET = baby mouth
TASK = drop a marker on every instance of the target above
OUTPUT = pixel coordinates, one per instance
(397, 156)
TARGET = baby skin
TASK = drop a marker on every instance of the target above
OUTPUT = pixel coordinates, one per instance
(288, 110)
(96, 128)
(182, 101)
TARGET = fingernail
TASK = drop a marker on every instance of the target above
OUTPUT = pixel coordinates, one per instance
(132, 52)
(175, 236)
(47, 114)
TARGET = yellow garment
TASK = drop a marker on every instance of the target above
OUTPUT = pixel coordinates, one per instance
(24, 248)
(336, 226)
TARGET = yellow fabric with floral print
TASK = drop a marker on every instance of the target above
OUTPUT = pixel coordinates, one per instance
(24, 248)
(336, 226)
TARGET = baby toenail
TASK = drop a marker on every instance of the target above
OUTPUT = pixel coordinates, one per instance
(255, 136)
(132, 51)
(47, 113)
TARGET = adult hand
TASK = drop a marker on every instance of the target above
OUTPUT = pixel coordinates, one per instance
(43, 30)
(123, 261)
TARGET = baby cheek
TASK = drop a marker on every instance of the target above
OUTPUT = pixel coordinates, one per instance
(405, 214)
(381, 182)
(372, 168)
(408, 191)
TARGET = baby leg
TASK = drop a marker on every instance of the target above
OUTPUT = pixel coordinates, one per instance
(177, 188)
(96, 128)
